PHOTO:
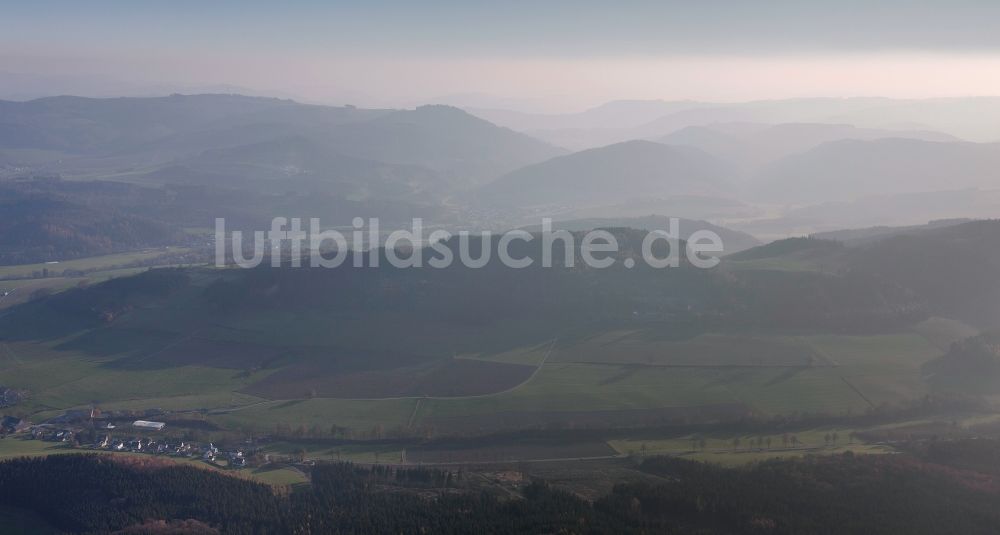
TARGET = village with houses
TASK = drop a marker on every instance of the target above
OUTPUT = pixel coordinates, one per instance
(118, 431)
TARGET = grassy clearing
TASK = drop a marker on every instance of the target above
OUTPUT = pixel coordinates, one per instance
(62, 380)
(738, 458)
(102, 386)
(723, 441)
(876, 353)
(647, 347)
(23, 289)
(223, 400)
(364, 416)
(582, 387)
(86, 264)
(857, 372)
(11, 448)
(277, 476)
(320, 451)
(528, 356)
(720, 448)
(391, 331)
(883, 368)
(615, 371)
(942, 332)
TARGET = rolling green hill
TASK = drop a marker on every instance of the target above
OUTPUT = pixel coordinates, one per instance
(467, 350)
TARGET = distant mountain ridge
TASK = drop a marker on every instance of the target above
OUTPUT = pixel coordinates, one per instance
(634, 169)
(751, 145)
(107, 135)
(850, 169)
(866, 235)
(733, 241)
(972, 118)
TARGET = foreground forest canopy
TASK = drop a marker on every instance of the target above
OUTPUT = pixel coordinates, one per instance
(937, 487)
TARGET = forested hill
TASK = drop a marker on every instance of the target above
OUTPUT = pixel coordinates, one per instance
(944, 488)
(83, 176)
(548, 298)
(201, 133)
(953, 268)
(881, 286)
(42, 227)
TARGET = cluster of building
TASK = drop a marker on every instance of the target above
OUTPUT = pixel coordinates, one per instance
(59, 432)
(177, 448)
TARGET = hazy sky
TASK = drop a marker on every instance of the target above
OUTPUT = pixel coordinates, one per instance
(524, 54)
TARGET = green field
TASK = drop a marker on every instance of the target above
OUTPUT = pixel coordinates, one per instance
(724, 453)
(364, 417)
(59, 380)
(86, 264)
(646, 374)
(389, 373)
(942, 332)
(647, 347)
(531, 355)
(21, 282)
(616, 371)
(11, 448)
(852, 373)
(22, 290)
(319, 451)
(610, 377)
(278, 476)
(737, 458)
